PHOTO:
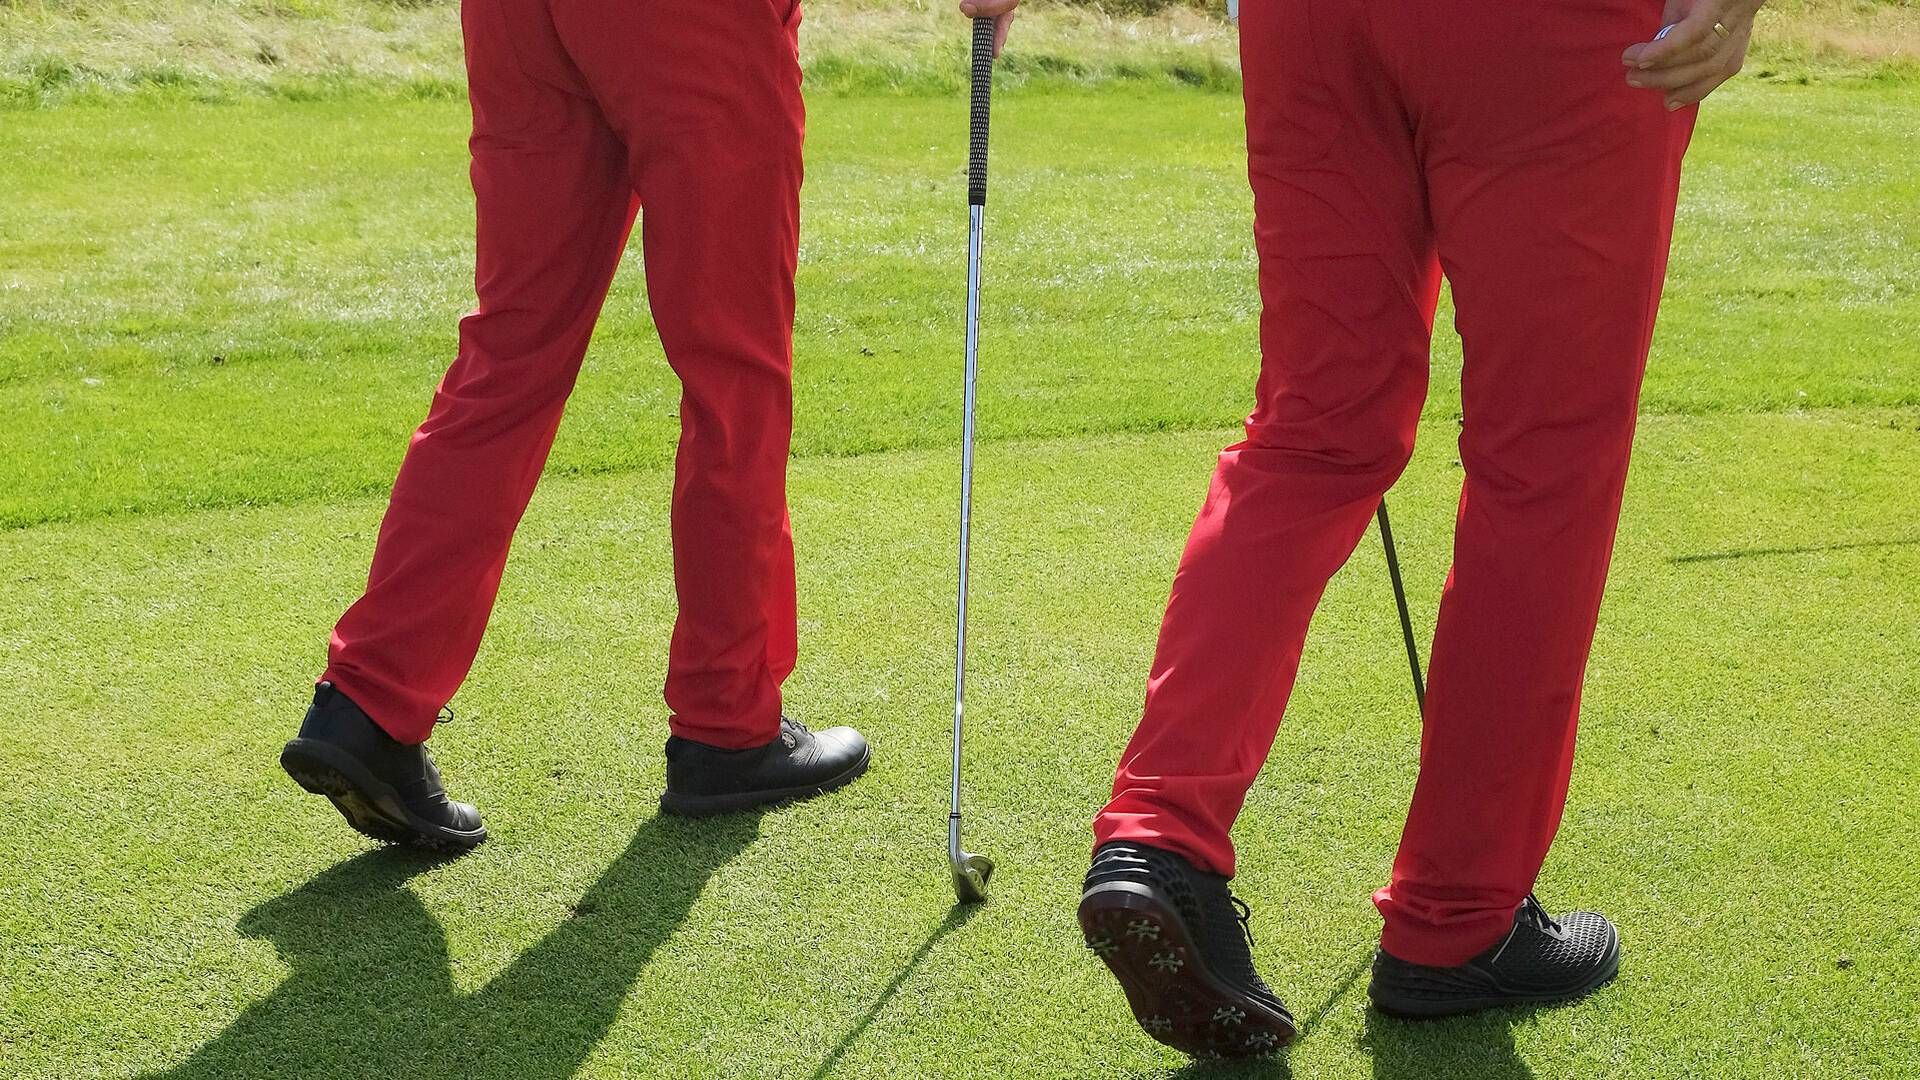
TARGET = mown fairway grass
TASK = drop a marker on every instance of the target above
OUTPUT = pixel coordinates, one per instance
(181, 530)
(267, 290)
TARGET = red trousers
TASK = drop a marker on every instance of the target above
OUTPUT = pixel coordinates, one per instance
(584, 112)
(1388, 143)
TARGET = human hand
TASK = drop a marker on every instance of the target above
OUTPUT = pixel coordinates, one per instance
(1000, 11)
(1701, 44)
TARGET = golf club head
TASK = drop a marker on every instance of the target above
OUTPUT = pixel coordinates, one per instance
(971, 873)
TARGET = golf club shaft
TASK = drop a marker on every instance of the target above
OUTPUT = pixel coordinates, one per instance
(1400, 601)
(976, 214)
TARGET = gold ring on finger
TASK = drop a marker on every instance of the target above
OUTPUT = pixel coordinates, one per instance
(1720, 28)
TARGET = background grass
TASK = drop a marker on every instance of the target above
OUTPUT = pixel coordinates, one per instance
(64, 50)
(249, 303)
(223, 302)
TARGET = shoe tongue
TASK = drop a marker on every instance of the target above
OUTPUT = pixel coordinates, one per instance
(1533, 915)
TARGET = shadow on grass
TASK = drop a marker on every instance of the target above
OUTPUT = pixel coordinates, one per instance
(1360, 967)
(371, 993)
(954, 920)
(1811, 549)
(1467, 1048)
(1477, 1047)
(1277, 1068)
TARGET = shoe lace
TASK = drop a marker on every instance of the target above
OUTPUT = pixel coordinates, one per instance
(792, 731)
(1535, 913)
(445, 716)
(1239, 963)
(1244, 914)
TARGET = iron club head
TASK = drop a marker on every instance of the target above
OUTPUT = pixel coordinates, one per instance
(971, 873)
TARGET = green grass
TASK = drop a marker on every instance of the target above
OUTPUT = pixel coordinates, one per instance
(58, 51)
(1739, 804)
(177, 533)
(249, 303)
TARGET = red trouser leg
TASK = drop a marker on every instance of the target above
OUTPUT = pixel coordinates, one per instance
(553, 207)
(1348, 282)
(569, 128)
(1551, 210)
(1554, 215)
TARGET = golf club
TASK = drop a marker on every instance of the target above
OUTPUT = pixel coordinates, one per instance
(1400, 601)
(970, 871)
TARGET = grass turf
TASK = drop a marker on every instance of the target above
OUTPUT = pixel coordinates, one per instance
(248, 303)
(57, 51)
(170, 905)
(173, 904)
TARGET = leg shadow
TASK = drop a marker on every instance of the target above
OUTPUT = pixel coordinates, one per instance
(540, 1018)
(367, 960)
(371, 993)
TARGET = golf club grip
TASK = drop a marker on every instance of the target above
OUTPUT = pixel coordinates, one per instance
(982, 92)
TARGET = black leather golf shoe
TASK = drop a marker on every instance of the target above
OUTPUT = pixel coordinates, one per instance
(799, 764)
(1541, 960)
(1178, 941)
(387, 790)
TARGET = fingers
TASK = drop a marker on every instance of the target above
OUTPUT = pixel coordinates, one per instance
(1673, 78)
(1000, 11)
(1695, 92)
(1689, 83)
(1689, 41)
(1676, 10)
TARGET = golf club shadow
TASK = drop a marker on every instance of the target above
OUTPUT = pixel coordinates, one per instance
(371, 993)
(954, 920)
(1360, 967)
(1810, 549)
(1475, 1047)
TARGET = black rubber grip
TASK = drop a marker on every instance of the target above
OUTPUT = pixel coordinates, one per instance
(982, 92)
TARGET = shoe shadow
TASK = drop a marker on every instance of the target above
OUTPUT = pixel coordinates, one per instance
(371, 993)
(1478, 1046)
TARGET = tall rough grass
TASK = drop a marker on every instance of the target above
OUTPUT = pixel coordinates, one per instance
(62, 50)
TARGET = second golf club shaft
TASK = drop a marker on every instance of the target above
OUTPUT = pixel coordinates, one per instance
(976, 213)
(1400, 601)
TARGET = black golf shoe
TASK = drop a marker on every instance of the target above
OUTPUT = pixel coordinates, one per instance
(800, 764)
(1178, 941)
(387, 790)
(1541, 960)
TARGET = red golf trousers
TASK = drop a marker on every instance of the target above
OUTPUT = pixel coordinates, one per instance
(585, 112)
(1388, 143)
